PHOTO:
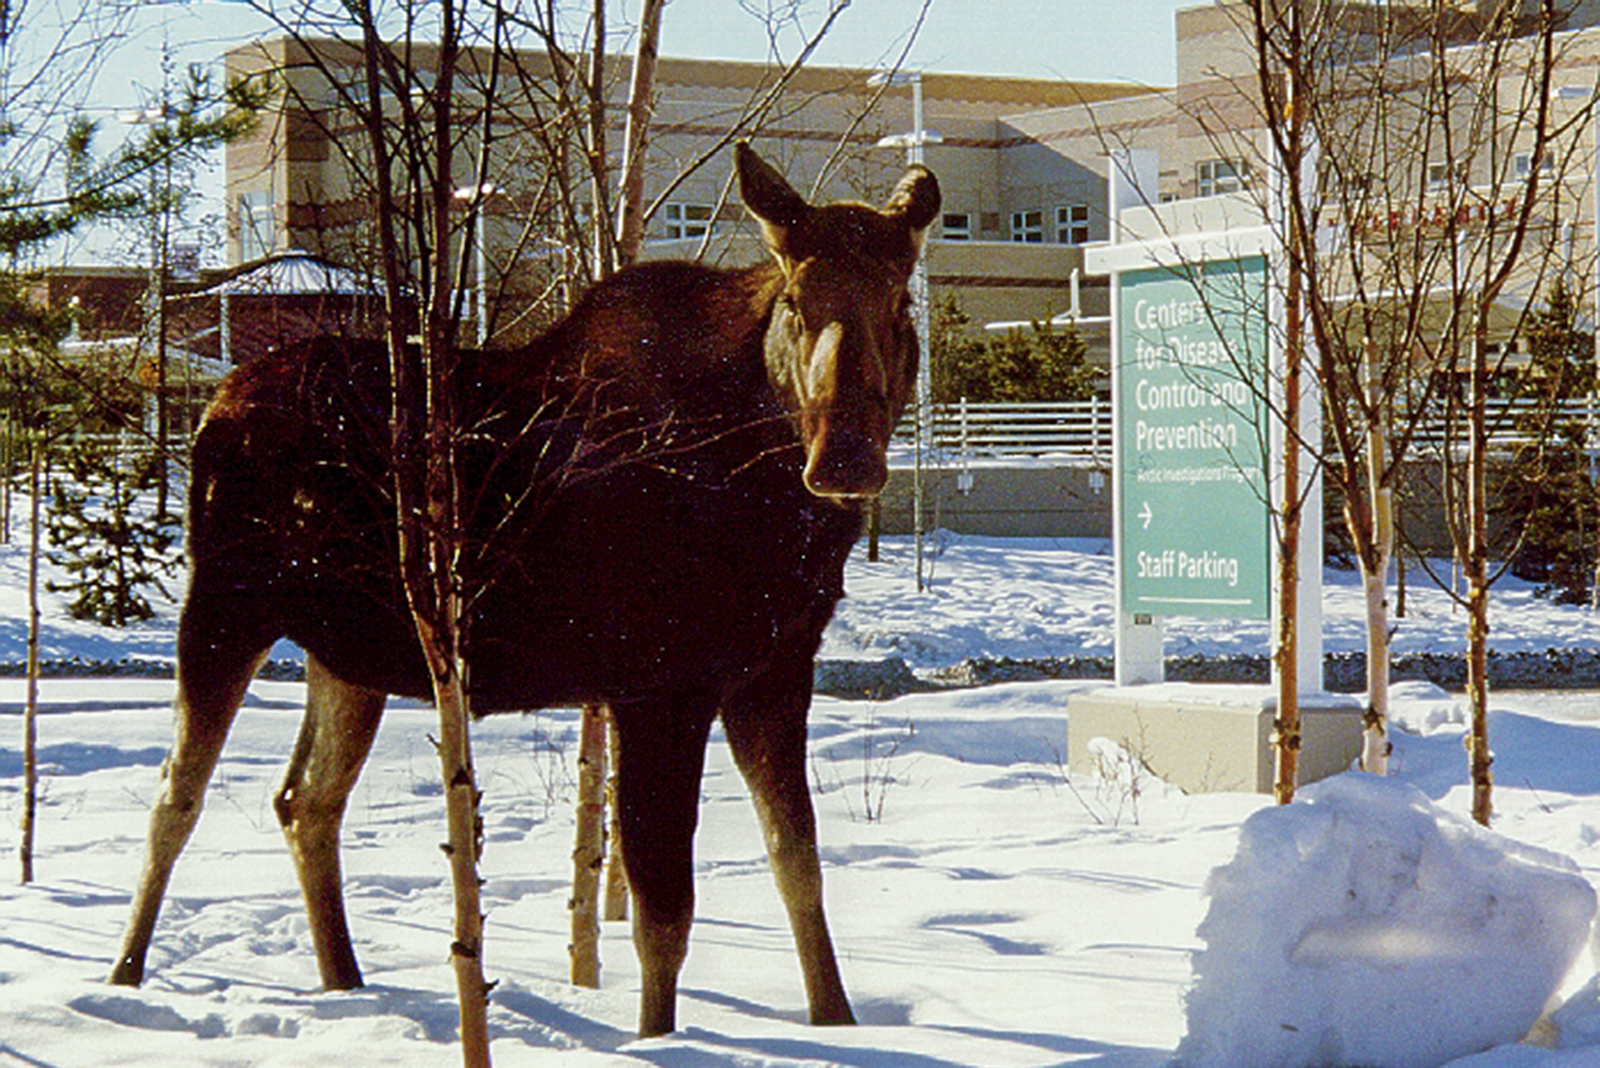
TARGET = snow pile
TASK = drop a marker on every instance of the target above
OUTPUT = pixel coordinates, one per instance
(1422, 707)
(1367, 926)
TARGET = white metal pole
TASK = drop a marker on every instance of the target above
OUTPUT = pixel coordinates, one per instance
(481, 267)
(1591, 441)
(919, 300)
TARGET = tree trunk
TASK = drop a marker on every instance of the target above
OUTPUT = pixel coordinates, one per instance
(30, 712)
(1375, 745)
(605, 261)
(1477, 575)
(1288, 652)
(615, 908)
(588, 850)
(464, 847)
(630, 212)
(7, 452)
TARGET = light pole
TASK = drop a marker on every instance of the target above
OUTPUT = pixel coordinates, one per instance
(160, 242)
(477, 201)
(913, 143)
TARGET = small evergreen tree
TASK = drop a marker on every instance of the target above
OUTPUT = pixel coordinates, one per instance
(1041, 363)
(112, 549)
(1548, 498)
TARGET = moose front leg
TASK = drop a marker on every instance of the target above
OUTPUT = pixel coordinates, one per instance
(766, 728)
(660, 757)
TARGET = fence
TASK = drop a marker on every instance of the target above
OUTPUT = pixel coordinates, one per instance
(1511, 425)
(1078, 433)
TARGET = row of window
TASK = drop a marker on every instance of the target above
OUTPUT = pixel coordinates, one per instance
(1216, 176)
(688, 221)
(1028, 226)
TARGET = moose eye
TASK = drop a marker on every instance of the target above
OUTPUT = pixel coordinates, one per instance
(793, 320)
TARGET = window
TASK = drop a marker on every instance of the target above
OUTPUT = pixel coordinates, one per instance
(1524, 165)
(956, 226)
(1072, 224)
(689, 220)
(1027, 227)
(1214, 177)
(258, 228)
(1440, 174)
(183, 260)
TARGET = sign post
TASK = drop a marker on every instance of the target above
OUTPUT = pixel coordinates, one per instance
(1196, 380)
(1190, 371)
(1194, 536)
(1196, 377)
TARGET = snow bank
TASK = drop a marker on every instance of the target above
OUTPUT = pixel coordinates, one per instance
(1424, 708)
(1366, 926)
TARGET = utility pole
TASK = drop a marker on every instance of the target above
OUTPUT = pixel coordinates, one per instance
(913, 142)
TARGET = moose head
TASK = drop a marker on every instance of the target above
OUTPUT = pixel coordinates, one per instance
(841, 343)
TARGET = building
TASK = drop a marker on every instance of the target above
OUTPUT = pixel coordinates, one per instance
(1024, 163)
(1015, 218)
(271, 302)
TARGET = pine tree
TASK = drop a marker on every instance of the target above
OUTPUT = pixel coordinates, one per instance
(1040, 363)
(113, 549)
(1549, 499)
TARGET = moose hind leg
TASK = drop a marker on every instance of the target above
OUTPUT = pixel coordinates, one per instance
(660, 758)
(335, 738)
(766, 729)
(213, 675)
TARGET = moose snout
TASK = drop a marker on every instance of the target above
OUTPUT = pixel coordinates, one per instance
(845, 461)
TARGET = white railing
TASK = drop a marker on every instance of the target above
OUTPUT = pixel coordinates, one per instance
(1511, 424)
(1079, 432)
(1072, 431)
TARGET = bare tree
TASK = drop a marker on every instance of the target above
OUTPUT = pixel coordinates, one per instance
(1421, 213)
(52, 182)
(1284, 88)
(30, 715)
(424, 434)
(589, 849)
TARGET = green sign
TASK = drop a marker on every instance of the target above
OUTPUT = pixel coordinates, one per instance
(1195, 530)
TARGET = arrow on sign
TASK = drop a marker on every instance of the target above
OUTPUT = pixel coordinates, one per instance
(1146, 514)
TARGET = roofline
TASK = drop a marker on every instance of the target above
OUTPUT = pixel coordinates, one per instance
(1029, 93)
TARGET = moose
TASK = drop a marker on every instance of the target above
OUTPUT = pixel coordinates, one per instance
(664, 488)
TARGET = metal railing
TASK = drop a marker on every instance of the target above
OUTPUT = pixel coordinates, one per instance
(1512, 424)
(1079, 432)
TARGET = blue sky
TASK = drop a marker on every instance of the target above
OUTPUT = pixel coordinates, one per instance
(1129, 40)
(1126, 40)
(1096, 40)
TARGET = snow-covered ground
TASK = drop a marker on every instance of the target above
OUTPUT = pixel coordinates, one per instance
(989, 910)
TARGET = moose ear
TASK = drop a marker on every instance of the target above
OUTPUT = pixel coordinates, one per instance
(916, 199)
(768, 196)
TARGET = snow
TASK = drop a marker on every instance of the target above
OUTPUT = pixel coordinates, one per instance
(1385, 910)
(989, 910)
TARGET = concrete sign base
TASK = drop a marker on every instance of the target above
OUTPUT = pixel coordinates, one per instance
(1206, 738)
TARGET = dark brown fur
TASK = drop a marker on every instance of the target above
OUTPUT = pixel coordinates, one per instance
(663, 492)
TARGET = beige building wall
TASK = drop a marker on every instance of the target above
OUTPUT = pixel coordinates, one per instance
(1023, 162)
(1006, 244)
